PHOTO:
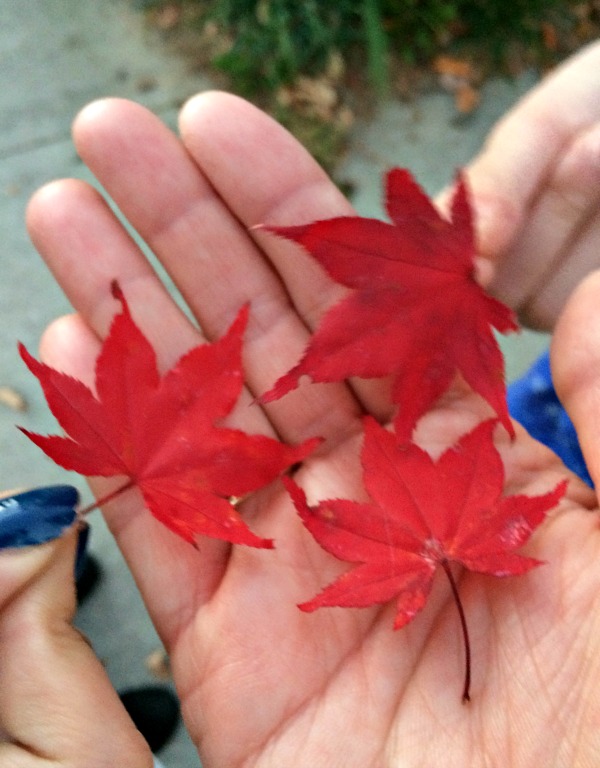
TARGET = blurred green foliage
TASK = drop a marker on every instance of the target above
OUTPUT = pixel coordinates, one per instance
(275, 41)
(309, 62)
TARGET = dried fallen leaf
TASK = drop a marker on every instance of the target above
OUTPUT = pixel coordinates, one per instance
(158, 664)
(168, 17)
(466, 99)
(12, 399)
(452, 67)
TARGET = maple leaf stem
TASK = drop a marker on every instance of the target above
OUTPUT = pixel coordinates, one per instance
(463, 622)
(105, 499)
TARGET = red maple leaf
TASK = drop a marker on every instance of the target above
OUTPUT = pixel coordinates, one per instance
(423, 514)
(161, 431)
(415, 310)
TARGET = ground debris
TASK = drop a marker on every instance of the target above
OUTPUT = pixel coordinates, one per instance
(12, 399)
(158, 664)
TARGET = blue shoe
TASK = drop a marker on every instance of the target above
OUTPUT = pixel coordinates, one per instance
(533, 402)
(37, 516)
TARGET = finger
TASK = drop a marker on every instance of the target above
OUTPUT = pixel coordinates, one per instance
(56, 702)
(519, 154)
(278, 183)
(546, 303)
(559, 245)
(279, 195)
(86, 248)
(205, 249)
(575, 357)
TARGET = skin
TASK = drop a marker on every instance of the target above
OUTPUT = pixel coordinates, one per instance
(537, 190)
(261, 683)
(53, 686)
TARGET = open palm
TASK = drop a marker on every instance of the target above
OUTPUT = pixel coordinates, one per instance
(261, 683)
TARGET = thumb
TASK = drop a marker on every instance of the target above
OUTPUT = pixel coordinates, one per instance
(575, 359)
(56, 702)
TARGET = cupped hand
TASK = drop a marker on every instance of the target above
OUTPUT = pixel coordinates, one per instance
(261, 683)
(57, 705)
(536, 188)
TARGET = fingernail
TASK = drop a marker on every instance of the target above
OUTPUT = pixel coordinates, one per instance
(37, 516)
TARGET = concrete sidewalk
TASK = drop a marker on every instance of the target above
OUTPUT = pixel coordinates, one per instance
(56, 55)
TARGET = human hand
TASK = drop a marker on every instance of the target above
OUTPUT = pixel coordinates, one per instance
(262, 684)
(536, 190)
(57, 705)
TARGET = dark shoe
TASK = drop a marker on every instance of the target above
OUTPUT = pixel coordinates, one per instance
(88, 576)
(155, 712)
